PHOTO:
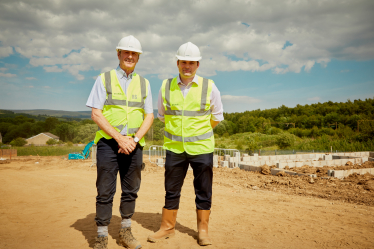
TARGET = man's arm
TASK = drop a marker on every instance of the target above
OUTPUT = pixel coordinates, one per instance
(216, 107)
(147, 123)
(125, 143)
(161, 107)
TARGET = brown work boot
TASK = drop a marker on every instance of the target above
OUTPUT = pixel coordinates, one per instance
(202, 227)
(169, 217)
(101, 242)
(127, 239)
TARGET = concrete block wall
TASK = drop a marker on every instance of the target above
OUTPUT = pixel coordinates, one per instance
(276, 171)
(225, 164)
(160, 162)
(299, 160)
(233, 165)
(327, 157)
(215, 161)
(252, 168)
(345, 173)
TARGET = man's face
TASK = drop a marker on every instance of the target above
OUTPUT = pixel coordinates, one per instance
(187, 69)
(127, 59)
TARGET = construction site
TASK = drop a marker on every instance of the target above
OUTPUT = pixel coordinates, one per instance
(282, 201)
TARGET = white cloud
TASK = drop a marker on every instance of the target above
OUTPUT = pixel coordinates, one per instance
(30, 78)
(6, 51)
(29, 86)
(82, 35)
(7, 75)
(314, 99)
(345, 71)
(53, 69)
(3, 69)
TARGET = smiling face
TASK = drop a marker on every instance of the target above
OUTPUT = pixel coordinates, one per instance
(187, 69)
(127, 60)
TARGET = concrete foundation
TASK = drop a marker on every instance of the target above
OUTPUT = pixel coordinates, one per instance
(254, 163)
(160, 162)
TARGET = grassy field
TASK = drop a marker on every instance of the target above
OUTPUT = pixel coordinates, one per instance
(47, 150)
(241, 141)
(256, 141)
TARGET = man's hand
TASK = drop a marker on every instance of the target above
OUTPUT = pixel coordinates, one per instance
(126, 144)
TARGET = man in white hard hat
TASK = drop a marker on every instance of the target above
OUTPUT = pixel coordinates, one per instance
(191, 107)
(119, 100)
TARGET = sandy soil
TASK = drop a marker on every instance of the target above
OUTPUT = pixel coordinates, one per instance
(49, 202)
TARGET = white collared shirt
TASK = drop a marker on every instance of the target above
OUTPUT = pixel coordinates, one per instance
(215, 100)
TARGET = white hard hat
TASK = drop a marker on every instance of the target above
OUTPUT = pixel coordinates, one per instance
(188, 52)
(130, 43)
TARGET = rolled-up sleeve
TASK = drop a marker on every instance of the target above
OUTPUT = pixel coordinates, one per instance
(148, 105)
(160, 107)
(216, 104)
(97, 96)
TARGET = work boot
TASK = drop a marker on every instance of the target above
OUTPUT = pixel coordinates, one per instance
(101, 242)
(169, 217)
(202, 227)
(127, 239)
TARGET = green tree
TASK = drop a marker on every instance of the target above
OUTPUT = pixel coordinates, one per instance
(51, 123)
(85, 133)
(285, 140)
(18, 142)
(65, 131)
(51, 141)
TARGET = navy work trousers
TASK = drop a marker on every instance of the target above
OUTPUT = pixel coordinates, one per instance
(109, 163)
(176, 167)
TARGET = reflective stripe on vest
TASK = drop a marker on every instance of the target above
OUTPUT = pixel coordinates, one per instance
(129, 131)
(111, 101)
(202, 111)
(188, 139)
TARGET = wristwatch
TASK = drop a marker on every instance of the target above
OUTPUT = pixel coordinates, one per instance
(136, 139)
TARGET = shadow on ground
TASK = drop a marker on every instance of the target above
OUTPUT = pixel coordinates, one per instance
(89, 230)
(150, 221)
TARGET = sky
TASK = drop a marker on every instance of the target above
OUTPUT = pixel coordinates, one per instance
(261, 54)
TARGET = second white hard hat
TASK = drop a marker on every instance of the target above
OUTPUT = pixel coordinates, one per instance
(130, 43)
(188, 52)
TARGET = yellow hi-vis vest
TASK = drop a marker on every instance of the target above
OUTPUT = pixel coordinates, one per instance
(121, 109)
(187, 119)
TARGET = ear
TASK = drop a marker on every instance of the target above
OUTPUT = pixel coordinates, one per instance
(198, 64)
(177, 62)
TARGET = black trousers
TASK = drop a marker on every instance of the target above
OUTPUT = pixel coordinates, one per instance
(176, 167)
(109, 163)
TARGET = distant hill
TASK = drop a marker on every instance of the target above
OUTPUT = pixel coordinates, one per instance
(61, 114)
(56, 113)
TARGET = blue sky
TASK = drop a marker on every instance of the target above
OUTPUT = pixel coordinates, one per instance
(261, 54)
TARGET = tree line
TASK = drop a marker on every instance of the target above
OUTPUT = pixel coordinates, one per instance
(304, 121)
(13, 126)
(332, 119)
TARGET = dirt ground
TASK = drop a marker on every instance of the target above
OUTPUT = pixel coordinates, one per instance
(49, 202)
